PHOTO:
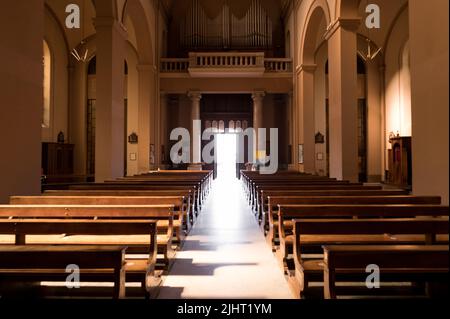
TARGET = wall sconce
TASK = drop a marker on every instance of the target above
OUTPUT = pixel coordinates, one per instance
(133, 138)
(319, 138)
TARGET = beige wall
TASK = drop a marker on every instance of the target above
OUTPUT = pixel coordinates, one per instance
(59, 95)
(21, 80)
(375, 131)
(398, 92)
(320, 95)
(132, 87)
(430, 104)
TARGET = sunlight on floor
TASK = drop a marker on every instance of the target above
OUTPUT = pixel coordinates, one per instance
(225, 255)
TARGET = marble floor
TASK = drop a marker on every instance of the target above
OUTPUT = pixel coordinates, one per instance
(225, 255)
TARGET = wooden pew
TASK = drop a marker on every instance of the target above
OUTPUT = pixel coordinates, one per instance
(397, 263)
(330, 187)
(274, 201)
(265, 194)
(123, 212)
(133, 193)
(311, 234)
(202, 180)
(137, 235)
(290, 212)
(205, 177)
(250, 179)
(196, 202)
(181, 217)
(19, 263)
(257, 187)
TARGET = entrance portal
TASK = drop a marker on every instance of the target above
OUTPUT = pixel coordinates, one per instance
(226, 156)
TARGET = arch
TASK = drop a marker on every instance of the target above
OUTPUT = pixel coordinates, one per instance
(221, 126)
(134, 10)
(317, 12)
(60, 26)
(231, 126)
(394, 23)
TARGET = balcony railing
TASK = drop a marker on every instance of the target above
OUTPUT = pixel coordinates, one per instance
(278, 65)
(174, 65)
(226, 60)
(202, 64)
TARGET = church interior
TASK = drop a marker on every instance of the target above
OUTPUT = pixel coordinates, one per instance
(224, 149)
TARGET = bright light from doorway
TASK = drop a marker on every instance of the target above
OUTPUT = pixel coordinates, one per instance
(226, 155)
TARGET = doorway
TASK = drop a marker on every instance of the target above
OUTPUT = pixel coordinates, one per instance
(226, 156)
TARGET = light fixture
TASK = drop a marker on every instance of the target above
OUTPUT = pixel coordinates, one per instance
(78, 57)
(83, 56)
(369, 55)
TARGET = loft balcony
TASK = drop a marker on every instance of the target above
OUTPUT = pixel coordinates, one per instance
(226, 65)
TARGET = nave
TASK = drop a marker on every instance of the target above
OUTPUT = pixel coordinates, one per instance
(225, 249)
(182, 235)
(100, 187)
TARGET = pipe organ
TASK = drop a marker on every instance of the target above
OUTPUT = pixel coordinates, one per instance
(226, 31)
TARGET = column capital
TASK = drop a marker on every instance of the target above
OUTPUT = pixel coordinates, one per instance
(195, 96)
(350, 24)
(258, 95)
(310, 68)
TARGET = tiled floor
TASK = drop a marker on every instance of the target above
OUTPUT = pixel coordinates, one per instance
(225, 255)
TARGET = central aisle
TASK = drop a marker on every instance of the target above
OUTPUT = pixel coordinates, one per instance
(225, 255)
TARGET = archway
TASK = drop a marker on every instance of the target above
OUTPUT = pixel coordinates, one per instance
(312, 38)
(134, 15)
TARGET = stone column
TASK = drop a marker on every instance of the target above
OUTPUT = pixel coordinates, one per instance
(196, 152)
(384, 137)
(110, 120)
(295, 124)
(258, 102)
(290, 115)
(343, 99)
(307, 125)
(428, 21)
(164, 136)
(146, 85)
(21, 93)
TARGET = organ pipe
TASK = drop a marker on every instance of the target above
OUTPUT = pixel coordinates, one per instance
(226, 30)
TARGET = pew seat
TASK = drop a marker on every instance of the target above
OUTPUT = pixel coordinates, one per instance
(311, 234)
(101, 212)
(419, 264)
(25, 264)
